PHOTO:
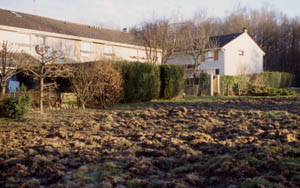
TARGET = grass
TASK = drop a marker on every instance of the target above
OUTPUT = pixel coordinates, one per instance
(188, 99)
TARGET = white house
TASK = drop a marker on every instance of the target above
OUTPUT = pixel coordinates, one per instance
(79, 43)
(234, 54)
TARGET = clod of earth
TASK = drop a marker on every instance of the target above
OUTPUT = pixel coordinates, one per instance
(246, 142)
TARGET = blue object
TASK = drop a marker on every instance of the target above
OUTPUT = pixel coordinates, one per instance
(13, 86)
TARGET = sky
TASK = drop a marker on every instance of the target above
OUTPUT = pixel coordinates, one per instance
(128, 13)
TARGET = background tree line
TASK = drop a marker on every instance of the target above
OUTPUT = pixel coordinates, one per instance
(276, 33)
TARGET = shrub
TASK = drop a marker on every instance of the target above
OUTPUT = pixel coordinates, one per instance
(204, 82)
(278, 79)
(228, 83)
(263, 84)
(16, 107)
(141, 81)
(109, 85)
(268, 91)
(97, 82)
(171, 77)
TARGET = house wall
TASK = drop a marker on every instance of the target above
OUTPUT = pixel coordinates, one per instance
(208, 66)
(250, 62)
(75, 48)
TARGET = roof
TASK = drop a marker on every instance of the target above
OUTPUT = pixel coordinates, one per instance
(28, 21)
(222, 40)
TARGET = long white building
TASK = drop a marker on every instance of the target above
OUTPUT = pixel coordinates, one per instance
(79, 43)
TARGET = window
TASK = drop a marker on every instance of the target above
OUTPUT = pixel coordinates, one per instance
(217, 71)
(212, 55)
(241, 52)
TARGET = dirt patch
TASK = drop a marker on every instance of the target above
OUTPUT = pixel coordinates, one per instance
(230, 143)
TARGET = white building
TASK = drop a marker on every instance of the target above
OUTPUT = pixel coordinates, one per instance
(235, 54)
(79, 43)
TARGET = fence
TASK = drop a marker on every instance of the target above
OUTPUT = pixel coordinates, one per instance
(50, 98)
(204, 85)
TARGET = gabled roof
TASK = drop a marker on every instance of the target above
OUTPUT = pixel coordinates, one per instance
(222, 40)
(28, 21)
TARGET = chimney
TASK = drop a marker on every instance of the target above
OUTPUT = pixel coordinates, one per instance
(125, 30)
(245, 30)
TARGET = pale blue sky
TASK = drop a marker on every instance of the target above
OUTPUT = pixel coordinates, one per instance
(127, 13)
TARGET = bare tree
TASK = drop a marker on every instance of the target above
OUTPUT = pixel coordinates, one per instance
(84, 82)
(159, 35)
(11, 62)
(48, 65)
(98, 81)
(195, 41)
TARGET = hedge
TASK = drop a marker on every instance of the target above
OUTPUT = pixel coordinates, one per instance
(228, 84)
(258, 84)
(297, 80)
(171, 77)
(203, 81)
(278, 79)
(141, 81)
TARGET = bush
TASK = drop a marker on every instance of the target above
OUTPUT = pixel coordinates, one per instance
(141, 81)
(278, 79)
(16, 107)
(266, 84)
(228, 84)
(171, 77)
(268, 91)
(109, 85)
(97, 83)
(204, 81)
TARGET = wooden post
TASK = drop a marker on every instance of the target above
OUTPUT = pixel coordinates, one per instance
(218, 85)
(211, 85)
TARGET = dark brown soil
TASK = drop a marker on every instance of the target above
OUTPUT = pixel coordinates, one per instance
(251, 142)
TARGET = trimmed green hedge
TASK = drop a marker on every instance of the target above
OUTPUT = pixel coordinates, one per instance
(266, 84)
(278, 79)
(141, 81)
(171, 77)
(203, 81)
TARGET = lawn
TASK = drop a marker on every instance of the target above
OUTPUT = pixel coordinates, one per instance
(192, 142)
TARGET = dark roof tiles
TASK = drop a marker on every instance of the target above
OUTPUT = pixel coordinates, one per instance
(222, 40)
(28, 21)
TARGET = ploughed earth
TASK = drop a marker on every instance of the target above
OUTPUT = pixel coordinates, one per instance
(243, 142)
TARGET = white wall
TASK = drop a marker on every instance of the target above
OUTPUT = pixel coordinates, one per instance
(211, 66)
(75, 48)
(208, 66)
(250, 62)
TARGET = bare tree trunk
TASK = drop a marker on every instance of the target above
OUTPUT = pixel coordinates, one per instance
(3, 86)
(83, 106)
(41, 95)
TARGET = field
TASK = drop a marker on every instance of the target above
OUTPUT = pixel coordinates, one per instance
(216, 142)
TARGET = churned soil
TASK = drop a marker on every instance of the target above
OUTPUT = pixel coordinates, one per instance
(243, 142)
